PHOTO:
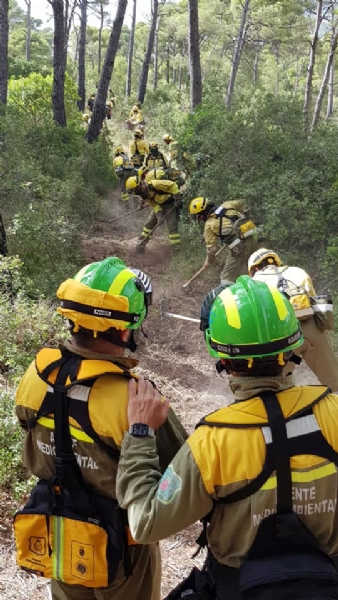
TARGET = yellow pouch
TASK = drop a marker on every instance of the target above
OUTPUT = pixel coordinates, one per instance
(247, 229)
(67, 546)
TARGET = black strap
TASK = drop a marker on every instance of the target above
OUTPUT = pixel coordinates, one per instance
(96, 311)
(246, 350)
(281, 453)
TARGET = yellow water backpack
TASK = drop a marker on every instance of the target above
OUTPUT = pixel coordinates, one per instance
(65, 531)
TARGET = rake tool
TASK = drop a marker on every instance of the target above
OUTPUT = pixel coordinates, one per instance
(186, 285)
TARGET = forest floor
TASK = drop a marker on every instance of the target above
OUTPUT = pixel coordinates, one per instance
(174, 355)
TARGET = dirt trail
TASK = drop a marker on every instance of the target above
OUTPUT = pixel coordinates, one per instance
(174, 355)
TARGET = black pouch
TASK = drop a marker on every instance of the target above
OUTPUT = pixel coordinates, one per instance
(197, 586)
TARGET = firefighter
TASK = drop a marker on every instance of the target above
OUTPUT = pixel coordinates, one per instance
(229, 225)
(123, 169)
(155, 158)
(317, 350)
(261, 472)
(165, 199)
(138, 149)
(104, 304)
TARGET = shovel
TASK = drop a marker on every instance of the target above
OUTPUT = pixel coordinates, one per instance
(164, 309)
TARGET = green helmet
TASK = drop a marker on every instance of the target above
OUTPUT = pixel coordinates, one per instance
(103, 295)
(250, 319)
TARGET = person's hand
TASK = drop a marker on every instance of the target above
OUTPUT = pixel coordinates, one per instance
(208, 261)
(146, 405)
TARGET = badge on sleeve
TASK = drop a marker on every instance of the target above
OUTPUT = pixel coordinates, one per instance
(169, 486)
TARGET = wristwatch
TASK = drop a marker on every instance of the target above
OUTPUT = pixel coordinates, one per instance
(141, 430)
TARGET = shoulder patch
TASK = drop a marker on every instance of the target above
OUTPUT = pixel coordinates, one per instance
(169, 487)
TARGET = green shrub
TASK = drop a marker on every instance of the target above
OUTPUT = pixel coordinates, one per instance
(29, 324)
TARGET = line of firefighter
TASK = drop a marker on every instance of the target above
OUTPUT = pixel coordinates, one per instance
(144, 155)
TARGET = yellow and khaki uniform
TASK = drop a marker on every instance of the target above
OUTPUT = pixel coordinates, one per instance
(161, 194)
(138, 152)
(107, 401)
(317, 350)
(123, 171)
(156, 162)
(236, 258)
(216, 461)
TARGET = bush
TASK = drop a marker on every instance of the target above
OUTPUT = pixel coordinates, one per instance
(29, 324)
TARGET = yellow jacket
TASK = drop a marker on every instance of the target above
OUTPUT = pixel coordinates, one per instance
(138, 150)
(233, 208)
(216, 461)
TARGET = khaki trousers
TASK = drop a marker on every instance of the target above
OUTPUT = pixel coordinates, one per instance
(237, 264)
(171, 217)
(143, 584)
(317, 351)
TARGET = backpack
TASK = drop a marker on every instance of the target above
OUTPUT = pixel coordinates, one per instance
(66, 531)
(297, 295)
(285, 561)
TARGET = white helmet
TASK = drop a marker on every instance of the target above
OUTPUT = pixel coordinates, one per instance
(259, 256)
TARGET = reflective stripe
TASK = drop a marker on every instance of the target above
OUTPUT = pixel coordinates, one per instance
(235, 243)
(57, 555)
(278, 299)
(295, 428)
(79, 392)
(78, 434)
(172, 242)
(303, 477)
(323, 307)
(120, 281)
(230, 308)
(250, 232)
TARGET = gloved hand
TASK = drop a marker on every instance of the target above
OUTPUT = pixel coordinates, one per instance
(208, 261)
(160, 217)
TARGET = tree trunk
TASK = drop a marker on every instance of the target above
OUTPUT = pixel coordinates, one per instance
(99, 111)
(131, 51)
(100, 37)
(194, 56)
(4, 28)
(167, 64)
(329, 109)
(59, 63)
(311, 65)
(146, 63)
(255, 67)
(174, 62)
(28, 29)
(82, 57)
(156, 53)
(329, 63)
(237, 54)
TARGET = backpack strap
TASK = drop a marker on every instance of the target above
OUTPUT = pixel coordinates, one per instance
(78, 405)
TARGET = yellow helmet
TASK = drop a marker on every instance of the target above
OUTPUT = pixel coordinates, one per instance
(142, 171)
(118, 162)
(135, 108)
(261, 255)
(132, 183)
(167, 138)
(198, 205)
(138, 133)
(119, 150)
(85, 118)
(153, 145)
